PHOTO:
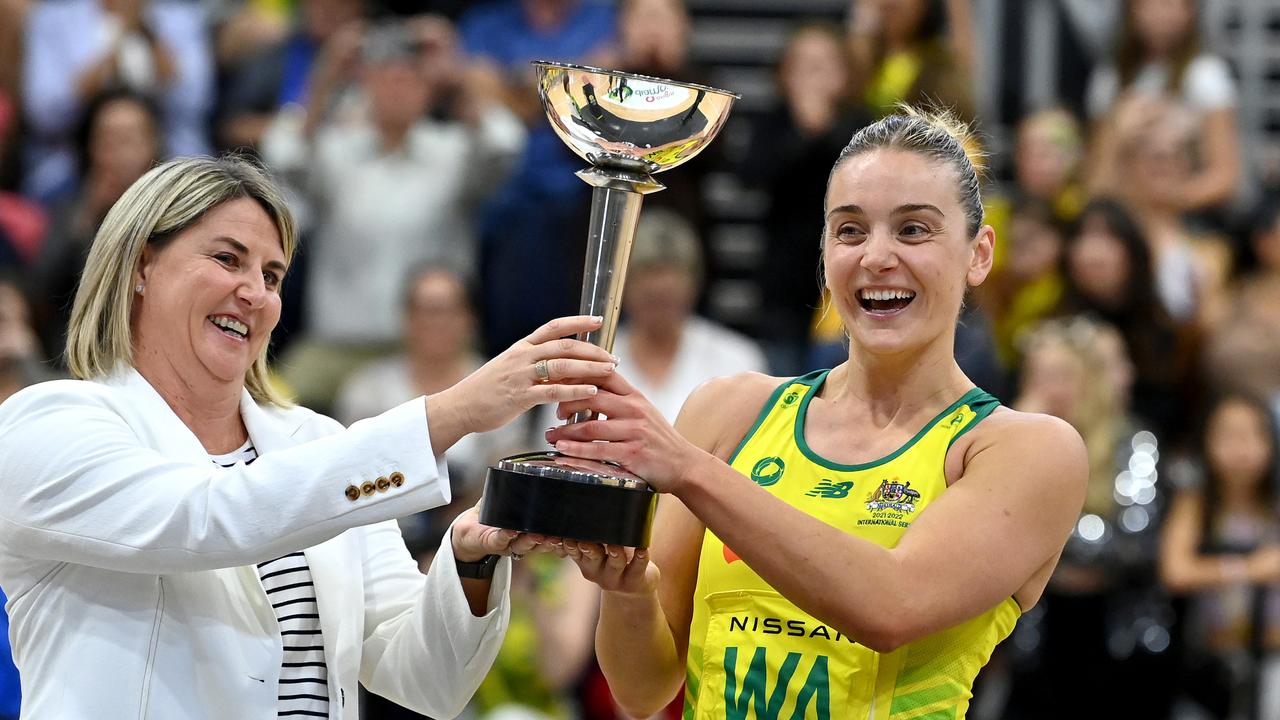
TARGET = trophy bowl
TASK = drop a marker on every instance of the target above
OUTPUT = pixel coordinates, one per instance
(608, 117)
(627, 127)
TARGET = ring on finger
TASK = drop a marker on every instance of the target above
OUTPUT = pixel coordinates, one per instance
(540, 368)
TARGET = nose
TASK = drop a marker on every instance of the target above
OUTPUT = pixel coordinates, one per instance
(253, 291)
(878, 252)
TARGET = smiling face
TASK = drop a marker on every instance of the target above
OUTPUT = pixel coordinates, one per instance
(211, 296)
(897, 255)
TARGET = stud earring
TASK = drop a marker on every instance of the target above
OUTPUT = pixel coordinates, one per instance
(139, 288)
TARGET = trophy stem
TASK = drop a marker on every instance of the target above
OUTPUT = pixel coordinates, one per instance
(615, 208)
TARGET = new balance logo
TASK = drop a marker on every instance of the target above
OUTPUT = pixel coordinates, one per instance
(829, 489)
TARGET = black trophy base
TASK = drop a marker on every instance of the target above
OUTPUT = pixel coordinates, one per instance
(561, 496)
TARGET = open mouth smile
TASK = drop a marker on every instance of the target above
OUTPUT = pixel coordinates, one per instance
(885, 301)
(230, 326)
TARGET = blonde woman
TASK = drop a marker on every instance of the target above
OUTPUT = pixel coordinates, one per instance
(862, 546)
(180, 541)
(1103, 619)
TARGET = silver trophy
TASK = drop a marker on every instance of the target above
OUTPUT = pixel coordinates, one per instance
(628, 127)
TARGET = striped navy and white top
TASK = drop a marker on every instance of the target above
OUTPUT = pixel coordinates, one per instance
(304, 678)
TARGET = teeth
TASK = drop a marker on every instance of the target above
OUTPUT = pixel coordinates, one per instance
(231, 324)
(886, 294)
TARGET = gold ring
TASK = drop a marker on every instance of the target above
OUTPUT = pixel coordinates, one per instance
(540, 367)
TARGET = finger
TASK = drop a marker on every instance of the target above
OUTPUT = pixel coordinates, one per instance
(562, 326)
(523, 545)
(557, 393)
(603, 402)
(612, 430)
(602, 451)
(633, 576)
(570, 348)
(565, 370)
(615, 561)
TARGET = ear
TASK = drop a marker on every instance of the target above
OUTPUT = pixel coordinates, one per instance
(982, 251)
(146, 261)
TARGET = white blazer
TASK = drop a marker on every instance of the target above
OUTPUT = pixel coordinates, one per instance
(128, 556)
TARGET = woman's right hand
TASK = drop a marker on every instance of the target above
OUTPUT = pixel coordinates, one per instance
(613, 567)
(511, 383)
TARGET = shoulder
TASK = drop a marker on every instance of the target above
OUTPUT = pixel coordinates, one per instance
(1021, 441)
(720, 411)
(302, 422)
(56, 393)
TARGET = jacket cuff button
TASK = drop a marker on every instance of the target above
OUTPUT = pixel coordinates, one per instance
(367, 487)
(397, 478)
(353, 493)
(382, 484)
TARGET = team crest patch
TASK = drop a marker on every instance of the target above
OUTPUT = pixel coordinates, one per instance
(891, 503)
(893, 495)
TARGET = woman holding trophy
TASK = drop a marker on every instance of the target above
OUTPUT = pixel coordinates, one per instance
(857, 540)
(181, 541)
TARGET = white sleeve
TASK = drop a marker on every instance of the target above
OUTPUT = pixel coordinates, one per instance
(422, 646)
(80, 486)
(1207, 84)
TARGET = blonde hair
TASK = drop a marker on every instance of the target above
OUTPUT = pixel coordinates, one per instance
(1099, 411)
(935, 133)
(167, 200)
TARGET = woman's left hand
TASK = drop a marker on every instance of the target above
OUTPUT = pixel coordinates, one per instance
(637, 436)
(472, 540)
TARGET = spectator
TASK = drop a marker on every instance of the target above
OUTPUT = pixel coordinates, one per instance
(533, 274)
(1104, 621)
(1221, 547)
(1155, 158)
(75, 49)
(792, 150)
(391, 190)
(913, 51)
(20, 354)
(439, 332)
(22, 223)
(653, 39)
(667, 350)
(1159, 53)
(277, 75)
(1108, 273)
(1028, 285)
(1242, 352)
(118, 140)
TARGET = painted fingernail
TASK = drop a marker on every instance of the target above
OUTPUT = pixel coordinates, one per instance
(615, 359)
(597, 318)
(612, 367)
(593, 390)
(642, 554)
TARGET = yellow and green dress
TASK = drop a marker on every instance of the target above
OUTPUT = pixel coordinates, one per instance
(754, 655)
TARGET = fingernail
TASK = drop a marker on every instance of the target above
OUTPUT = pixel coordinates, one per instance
(615, 359)
(593, 390)
(642, 554)
(612, 367)
(597, 318)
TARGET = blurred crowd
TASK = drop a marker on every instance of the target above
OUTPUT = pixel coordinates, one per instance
(1136, 294)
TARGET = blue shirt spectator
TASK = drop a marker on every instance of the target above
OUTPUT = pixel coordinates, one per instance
(10, 690)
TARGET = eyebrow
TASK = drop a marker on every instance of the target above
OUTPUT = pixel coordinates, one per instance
(242, 248)
(901, 209)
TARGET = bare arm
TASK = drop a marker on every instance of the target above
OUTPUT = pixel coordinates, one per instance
(642, 638)
(1217, 179)
(1184, 569)
(1001, 523)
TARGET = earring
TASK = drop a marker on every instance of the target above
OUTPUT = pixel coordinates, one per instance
(139, 288)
